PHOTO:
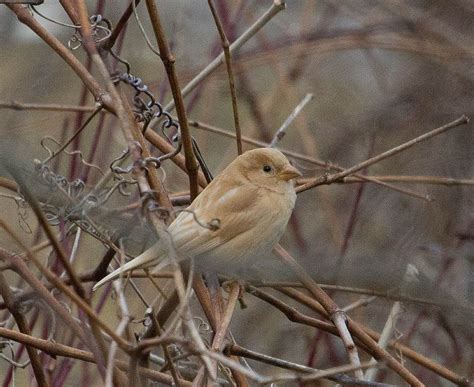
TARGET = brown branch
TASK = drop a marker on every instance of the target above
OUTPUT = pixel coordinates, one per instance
(218, 340)
(328, 179)
(147, 182)
(298, 156)
(70, 8)
(211, 310)
(39, 289)
(434, 180)
(230, 74)
(295, 316)
(166, 352)
(168, 60)
(179, 160)
(276, 7)
(130, 129)
(342, 322)
(378, 40)
(291, 313)
(405, 350)
(57, 349)
(24, 328)
(119, 27)
(15, 105)
(281, 132)
(156, 186)
(335, 314)
(77, 285)
(237, 350)
(8, 184)
(56, 281)
(89, 81)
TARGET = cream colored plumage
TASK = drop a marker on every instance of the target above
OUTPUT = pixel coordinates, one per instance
(252, 200)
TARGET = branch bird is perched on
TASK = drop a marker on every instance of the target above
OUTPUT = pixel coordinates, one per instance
(251, 202)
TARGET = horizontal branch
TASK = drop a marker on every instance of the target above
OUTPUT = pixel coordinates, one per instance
(15, 105)
(430, 180)
(298, 156)
(57, 349)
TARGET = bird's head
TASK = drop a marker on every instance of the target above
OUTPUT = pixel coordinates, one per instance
(267, 168)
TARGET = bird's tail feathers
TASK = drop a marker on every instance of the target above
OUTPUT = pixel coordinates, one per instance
(145, 260)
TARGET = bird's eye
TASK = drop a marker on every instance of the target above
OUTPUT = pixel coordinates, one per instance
(267, 168)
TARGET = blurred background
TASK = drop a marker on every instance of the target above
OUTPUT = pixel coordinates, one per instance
(381, 73)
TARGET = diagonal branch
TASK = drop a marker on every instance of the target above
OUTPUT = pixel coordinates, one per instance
(26, 18)
(328, 179)
(276, 7)
(344, 324)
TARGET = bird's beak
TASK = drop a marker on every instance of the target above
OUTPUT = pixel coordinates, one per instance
(289, 172)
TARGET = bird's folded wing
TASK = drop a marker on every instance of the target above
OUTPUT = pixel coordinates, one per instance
(232, 210)
(191, 237)
(191, 233)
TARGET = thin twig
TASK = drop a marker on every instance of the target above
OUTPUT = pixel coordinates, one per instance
(405, 350)
(218, 341)
(56, 281)
(89, 81)
(328, 179)
(237, 350)
(230, 74)
(192, 166)
(434, 180)
(312, 160)
(120, 26)
(74, 136)
(335, 314)
(345, 324)
(24, 328)
(280, 133)
(20, 267)
(119, 331)
(363, 301)
(143, 32)
(322, 374)
(385, 336)
(390, 295)
(277, 6)
(56, 349)
(77, 285)
(15, 105)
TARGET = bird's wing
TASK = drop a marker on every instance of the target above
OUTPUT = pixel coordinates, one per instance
(191, 233)
(230, 209)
